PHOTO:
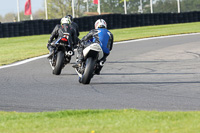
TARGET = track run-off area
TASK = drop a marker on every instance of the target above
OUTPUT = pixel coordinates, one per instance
(160, 73)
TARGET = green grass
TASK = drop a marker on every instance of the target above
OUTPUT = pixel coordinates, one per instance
(153, 31)
(95, 121)
(20, 48)
(100, 121)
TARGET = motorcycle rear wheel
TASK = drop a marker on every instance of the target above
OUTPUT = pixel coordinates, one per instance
(88, 73)
(59, 63)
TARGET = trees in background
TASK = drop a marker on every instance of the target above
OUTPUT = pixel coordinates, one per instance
(1, 18)
(39, 14)
(190, 5)
(60, 8)
(171, 6)
(9, 16)
(165, 6)
(12, 17)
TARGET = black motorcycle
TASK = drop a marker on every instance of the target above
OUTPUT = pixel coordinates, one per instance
(62, 54)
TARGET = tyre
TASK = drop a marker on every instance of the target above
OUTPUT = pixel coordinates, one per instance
(88, 73)
(80, 80)
(59, 63)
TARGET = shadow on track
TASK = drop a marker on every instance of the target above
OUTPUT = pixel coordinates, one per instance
(147, 73)
(150, 83)
(113, 62)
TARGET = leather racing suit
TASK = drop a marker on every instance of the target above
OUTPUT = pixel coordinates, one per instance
(75, 27)
(58, 32)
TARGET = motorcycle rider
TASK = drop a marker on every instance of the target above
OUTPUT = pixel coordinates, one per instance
(58, 32)
(74, 25)
(98, 35)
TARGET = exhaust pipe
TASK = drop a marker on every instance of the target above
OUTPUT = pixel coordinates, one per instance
(101, 63)
(70, 53)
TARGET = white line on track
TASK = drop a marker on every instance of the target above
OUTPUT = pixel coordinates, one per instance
(160, 37)
(23, 62)
(137, 40)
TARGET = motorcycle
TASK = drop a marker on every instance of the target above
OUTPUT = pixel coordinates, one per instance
(62, 54)
(92, 61)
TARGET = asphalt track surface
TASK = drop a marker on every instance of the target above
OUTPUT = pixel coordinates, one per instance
(152, 74)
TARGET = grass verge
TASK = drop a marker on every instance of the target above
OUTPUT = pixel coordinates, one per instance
(100, 121)
(20, 48)
(95, 121)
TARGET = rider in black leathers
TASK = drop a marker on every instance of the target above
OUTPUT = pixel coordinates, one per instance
(74, 25)
(58, 32)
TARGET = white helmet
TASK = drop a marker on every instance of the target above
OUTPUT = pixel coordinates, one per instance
(66, 20)
(100, 23)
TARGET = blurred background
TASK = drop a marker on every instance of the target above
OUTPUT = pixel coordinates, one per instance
(59, 8)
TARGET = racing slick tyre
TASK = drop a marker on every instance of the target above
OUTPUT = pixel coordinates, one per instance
(88, 73)
(59, 63)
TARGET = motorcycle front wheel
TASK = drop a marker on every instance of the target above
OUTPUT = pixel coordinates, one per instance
(59, 63)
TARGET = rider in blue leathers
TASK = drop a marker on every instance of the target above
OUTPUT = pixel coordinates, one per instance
(98, 35)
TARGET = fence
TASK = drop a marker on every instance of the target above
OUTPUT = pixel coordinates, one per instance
(114, 21)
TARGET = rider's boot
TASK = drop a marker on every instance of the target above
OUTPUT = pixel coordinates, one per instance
(100, 65)
(51, 52)
(78, 64)
(80, 57)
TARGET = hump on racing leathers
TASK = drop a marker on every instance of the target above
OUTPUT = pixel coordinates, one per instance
(65, 28)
